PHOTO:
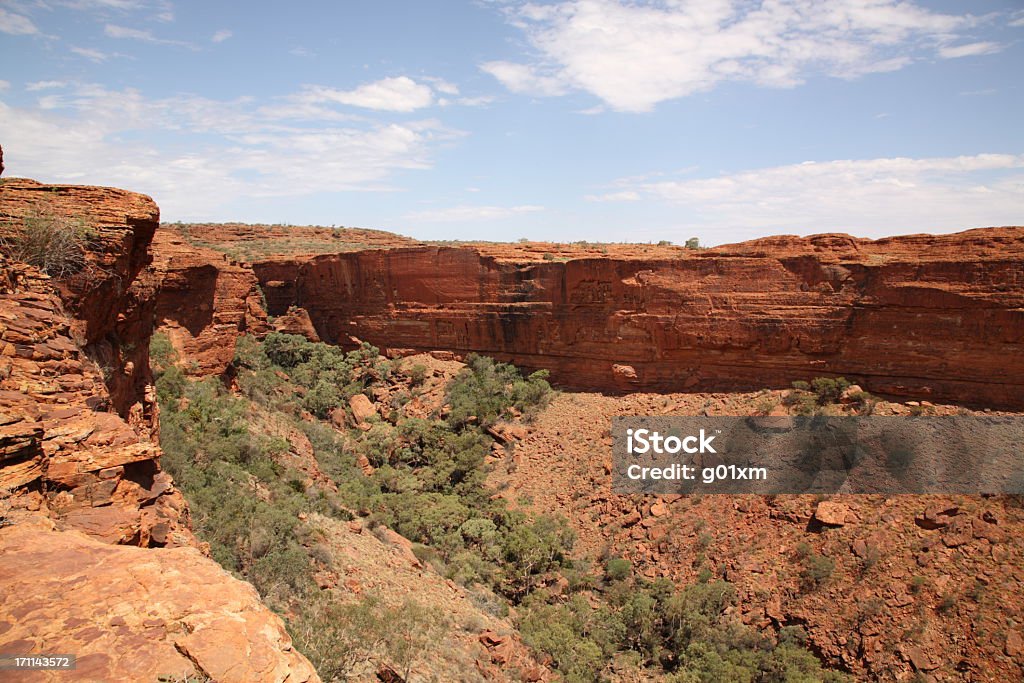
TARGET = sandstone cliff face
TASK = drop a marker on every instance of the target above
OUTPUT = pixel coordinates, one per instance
(109, 307)
(205, 302)
(80, 472)
(79, 413)
(925, 316)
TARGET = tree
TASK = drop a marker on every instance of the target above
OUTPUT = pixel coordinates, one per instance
(693, 243)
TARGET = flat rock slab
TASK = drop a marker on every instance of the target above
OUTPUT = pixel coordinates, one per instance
(131, 613)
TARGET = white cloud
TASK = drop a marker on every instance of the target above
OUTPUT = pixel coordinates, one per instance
(525, 80)
(870, 197)
(16, 24)
(624, 196)
(221, 36)
(400, 94)
(301, 52)
(196, 155)
(633, 54)
(91, 54)
(464, 213)
(4, 85)
(102, 4)
(144, 35)
(968, 50)
(45, 85)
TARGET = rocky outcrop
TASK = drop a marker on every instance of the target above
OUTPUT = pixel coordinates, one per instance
(922, 316)
(131, 614)
(206, 301)
(80, 474)
(78, 409)
(110, 309)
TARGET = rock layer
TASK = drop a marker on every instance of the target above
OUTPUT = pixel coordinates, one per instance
(80, 471)
(206, 301)
(924, 316)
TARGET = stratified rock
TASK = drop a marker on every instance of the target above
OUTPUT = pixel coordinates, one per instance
(133, 614)
(204, 303)
(746, 316)
(109, 308)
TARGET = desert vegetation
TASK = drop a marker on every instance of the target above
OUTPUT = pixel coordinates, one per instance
(55, 244)
(424, 478)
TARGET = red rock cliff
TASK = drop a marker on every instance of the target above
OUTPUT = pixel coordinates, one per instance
(925, 316)
(80, 472)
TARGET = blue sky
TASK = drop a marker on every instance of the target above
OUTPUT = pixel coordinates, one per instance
(603, 120)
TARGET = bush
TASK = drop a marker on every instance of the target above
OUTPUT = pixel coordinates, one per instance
(417, 374)
(829, 390)
(534, 548)
(617, 569)
(162, 355)
(54, 244)
(486, 390)
(817, 570)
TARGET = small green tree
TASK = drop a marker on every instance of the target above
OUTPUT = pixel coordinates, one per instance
(693, 243)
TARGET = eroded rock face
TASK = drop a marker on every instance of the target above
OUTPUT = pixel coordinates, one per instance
(65, 451)
(923, 316)
(133, 614)
(205, 303)
(110, 308)
(80, 477)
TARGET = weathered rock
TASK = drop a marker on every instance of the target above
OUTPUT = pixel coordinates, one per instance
(204, 302)
(296, 321)
(137, 614)
(753, 315)
(832, 513)
(362, 408)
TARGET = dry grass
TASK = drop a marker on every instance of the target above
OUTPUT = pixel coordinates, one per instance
(54, 244)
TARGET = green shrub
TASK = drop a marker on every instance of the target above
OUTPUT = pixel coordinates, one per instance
(534, 548)
(418, 374)
(817, 570)
(829, 390)
(617, 569)
(484, 391)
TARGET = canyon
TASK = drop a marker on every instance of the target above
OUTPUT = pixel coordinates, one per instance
(920, 316)
(622, 328)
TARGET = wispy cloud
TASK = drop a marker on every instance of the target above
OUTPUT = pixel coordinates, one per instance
(16, 24)
(91, 54)
(144, 35)
(401, 94)
(866, 196)
(221, 35)
(45, 85)
(634, 54)
(467, 213)
(623, 196)
(968, 50)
